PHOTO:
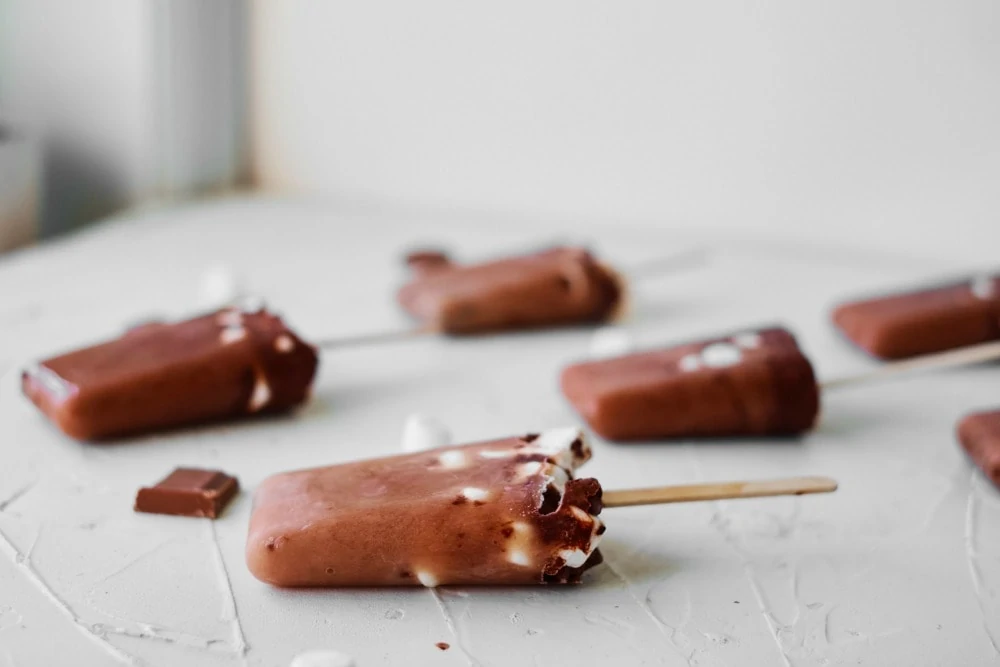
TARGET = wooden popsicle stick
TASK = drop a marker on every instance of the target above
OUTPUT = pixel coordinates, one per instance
(646, 269)
(952, 359)
(790, 486)
(680, 261)
(388, 336)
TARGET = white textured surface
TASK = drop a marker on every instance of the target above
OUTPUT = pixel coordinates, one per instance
(901, 566)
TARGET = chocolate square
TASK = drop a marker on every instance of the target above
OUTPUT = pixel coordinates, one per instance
(189, 492)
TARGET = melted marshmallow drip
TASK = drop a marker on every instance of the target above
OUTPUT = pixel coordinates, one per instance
(558, 443)
(747, 341)
(721, 355)
(452, 459)
(261, 394)
(983, 287)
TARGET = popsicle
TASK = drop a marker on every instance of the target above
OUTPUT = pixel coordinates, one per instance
(228, 364)
(924, 321)
(979, 434)
(506, 511)
(500, 512)
(750, 383)
(555, 287)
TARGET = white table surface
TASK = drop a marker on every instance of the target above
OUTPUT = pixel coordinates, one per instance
(900, 566)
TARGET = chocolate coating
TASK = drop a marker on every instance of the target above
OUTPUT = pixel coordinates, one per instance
(747, 384)
(925, 321)
(498, 512)
(979, 434)
(557, 287)
(220, 366)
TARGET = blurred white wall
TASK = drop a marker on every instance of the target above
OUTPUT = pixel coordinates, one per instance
(130, 99)
(850, 121)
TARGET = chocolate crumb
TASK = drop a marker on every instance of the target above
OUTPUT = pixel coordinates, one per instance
(477, 503)
(329, 570)
(531, 437)
(459, 500)
(507, 531)
(444, 646)
(601, 529)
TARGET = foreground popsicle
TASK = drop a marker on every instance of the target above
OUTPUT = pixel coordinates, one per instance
(500, 512)
(752, 383)
(979, 434)
(561, 286)
(229, 364)
(924, 321)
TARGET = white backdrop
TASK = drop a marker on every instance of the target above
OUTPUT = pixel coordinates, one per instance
(855, 122)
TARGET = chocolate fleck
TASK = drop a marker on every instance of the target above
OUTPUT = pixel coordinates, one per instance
(459, 500)
(444, 646)
(531, 437)
(507, 531)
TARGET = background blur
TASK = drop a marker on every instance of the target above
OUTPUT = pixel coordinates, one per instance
(861, 123)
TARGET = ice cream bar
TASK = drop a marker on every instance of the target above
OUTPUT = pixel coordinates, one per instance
(979, 434)
(557, 287)
(925, 321)
(228, 364)
(752, 383)
(500, 512)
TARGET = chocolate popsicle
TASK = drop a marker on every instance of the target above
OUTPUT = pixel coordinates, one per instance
(500, 512)
(561, 286)
(225, 365)
(753, 383)
(979, 434)
(925, 321)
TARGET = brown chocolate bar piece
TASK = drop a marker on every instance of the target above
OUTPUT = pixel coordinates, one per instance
(225, 365)
(752, 383)
(557, 287)
(189, 492)
(924, 321)
(979, 434)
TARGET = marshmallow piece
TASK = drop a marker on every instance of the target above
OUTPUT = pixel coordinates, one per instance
(983, 287)
(218, 287)
(610, 342)
(747, 341)
(689, 363)
(720, 355)
(422, 432)
(323, 659)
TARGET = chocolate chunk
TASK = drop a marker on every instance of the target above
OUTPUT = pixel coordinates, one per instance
(189, 492)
